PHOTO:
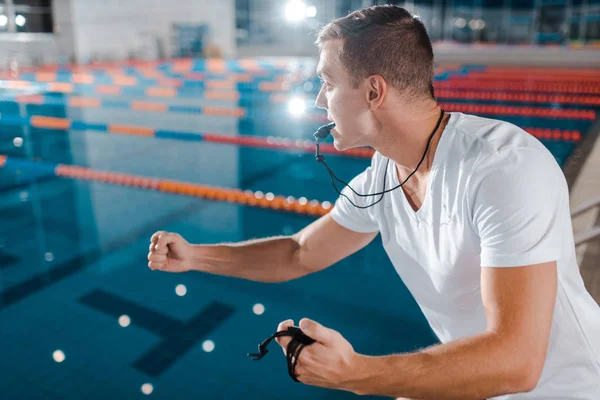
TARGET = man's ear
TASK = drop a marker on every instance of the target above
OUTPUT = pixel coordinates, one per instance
(377, 90)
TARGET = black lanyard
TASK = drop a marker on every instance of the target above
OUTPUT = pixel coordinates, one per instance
(324, 131)
(298, 342)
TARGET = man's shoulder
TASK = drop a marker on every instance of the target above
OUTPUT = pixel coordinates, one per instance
(494, 150)
(493, 133)
(494, 141)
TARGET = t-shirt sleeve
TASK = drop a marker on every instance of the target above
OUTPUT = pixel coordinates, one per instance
(518, 209)
(357, 219)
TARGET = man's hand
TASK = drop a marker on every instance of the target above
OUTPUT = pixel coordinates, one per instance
(328, 362)
(169, 252)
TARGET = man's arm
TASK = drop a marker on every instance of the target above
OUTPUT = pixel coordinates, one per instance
(279, 259)
(507, 358)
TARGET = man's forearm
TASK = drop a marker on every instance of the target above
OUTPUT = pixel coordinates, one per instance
(264, 260)
(477, 367)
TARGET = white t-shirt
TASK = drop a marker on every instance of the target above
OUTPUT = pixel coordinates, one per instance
(496, 197)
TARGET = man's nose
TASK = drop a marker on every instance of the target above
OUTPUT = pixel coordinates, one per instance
(321, 101)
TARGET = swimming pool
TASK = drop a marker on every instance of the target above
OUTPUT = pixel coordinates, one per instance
(94, 162)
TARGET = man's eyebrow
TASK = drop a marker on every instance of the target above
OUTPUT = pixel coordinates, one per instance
(322, 72)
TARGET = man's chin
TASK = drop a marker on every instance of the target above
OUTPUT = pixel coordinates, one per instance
(338, 145)
(341, 146)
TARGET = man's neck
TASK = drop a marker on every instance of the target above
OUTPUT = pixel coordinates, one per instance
(405, 135)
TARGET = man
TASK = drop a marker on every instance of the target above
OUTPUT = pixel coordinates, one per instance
(480, 234)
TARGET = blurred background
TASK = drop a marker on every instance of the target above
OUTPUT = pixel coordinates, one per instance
(118, 119)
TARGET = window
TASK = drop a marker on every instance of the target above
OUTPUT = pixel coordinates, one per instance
(33, 22)
(33, 3)
(31, 16)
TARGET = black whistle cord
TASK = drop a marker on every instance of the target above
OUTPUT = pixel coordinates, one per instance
(298, 342)
(319, 157)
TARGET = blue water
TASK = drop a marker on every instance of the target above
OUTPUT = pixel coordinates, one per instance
(73, 260)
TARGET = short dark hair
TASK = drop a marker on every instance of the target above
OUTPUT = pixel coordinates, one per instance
(385, 40)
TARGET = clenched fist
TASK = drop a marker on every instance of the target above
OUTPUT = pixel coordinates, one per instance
(169, 252)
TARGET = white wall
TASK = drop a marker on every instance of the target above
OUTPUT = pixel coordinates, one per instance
(34, 49)
(24, 50)
(114, 29)
(64, 35)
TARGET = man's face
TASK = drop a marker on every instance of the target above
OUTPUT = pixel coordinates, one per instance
(345, 105)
